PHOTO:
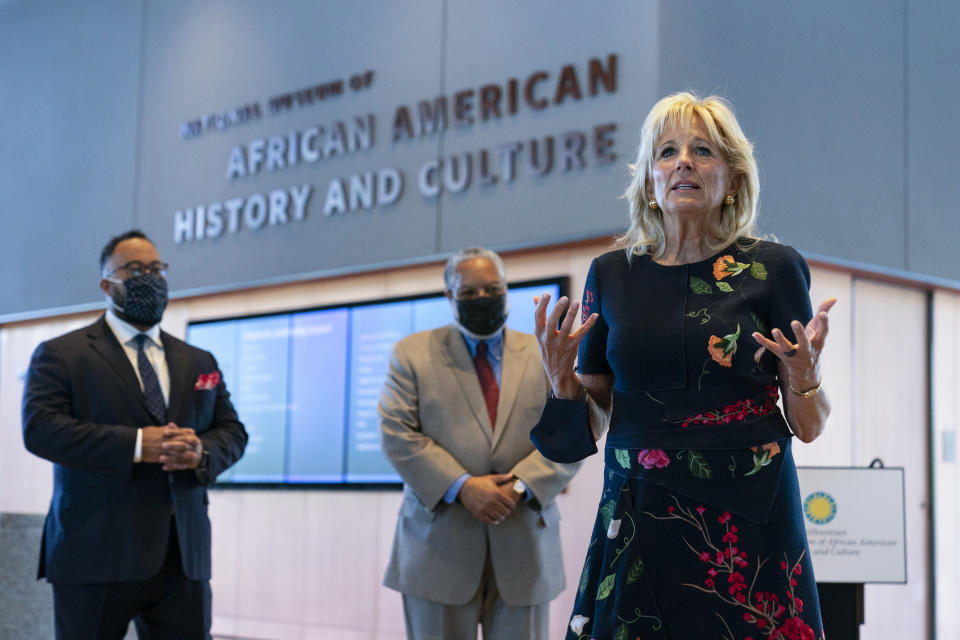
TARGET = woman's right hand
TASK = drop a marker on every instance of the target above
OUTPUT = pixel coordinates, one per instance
(558, 347)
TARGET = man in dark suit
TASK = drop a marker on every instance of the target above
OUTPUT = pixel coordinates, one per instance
(137, 424)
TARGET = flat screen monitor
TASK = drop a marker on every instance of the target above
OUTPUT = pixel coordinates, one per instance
(306, 383)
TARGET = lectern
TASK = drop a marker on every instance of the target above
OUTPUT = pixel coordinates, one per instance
(857, 534)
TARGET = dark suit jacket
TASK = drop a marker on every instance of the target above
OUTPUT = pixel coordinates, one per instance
(109, 519)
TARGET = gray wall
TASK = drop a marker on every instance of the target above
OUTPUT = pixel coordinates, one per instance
(932, 193)
(849, 105)
(820, 87)
(845, 102)
(69, 77)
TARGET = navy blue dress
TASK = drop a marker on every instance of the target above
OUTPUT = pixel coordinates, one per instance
(699, 532)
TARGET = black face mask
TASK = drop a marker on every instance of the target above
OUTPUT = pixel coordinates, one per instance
(483, 316)
(145, 299)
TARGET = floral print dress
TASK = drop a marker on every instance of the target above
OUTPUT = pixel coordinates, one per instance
(699, 532)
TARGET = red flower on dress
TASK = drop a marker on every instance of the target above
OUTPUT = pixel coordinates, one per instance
(651, 458)
(738, 411)
(764, 610)
(585, 305)
(796, 629)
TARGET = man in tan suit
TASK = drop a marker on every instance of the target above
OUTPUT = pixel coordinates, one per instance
(477, 540)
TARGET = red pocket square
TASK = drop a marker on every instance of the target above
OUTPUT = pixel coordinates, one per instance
(207, 381)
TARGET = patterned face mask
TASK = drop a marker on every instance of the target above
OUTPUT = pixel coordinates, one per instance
(145, 299)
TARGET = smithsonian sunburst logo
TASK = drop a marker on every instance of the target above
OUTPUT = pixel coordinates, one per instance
(819, 507)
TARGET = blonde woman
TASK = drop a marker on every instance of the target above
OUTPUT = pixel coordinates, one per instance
(692, 330)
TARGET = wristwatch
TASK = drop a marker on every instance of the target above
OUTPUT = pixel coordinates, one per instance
(519, 488)
(202, 472)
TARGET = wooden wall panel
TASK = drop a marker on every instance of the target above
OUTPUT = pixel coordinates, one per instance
(890, 422)
(946, 409)
(26, 481)
(835, 446)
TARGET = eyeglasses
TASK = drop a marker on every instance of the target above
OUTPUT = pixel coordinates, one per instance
(136, 268)
(469, 293)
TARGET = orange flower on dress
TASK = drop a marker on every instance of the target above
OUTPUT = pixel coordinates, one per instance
(722, 349)
(771, 449)
(727, 266)
(716, 352)
(762, 456)
(720, 267)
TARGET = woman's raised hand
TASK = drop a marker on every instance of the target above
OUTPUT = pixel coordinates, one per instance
(801, 360)
(558, 346)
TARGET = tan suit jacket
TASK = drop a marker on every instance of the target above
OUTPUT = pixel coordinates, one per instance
(435, 427)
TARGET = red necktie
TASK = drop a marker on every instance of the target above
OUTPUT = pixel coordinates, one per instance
(488, 381)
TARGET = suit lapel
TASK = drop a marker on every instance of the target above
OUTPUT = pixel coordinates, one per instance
(177, 365)
(462, 365)
(109, 348)
(511, 374)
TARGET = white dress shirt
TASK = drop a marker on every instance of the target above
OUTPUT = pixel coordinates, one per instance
(126, 335)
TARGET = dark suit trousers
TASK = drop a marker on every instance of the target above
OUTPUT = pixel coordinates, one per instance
(168, 606)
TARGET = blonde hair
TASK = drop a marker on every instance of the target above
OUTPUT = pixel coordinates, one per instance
(737, 221)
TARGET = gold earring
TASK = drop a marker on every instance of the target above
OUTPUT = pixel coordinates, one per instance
(653, 204)
(728, 200)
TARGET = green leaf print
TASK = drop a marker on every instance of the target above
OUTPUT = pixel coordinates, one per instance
(698, 285)
(607, 511)
(584, 578)
(729, 342)
(621, 633)
(761, 325)
(758, 271)
(606, 587)
(636, 570)
(699, 466)
(623, 457)
(723, 286)
(760, 459)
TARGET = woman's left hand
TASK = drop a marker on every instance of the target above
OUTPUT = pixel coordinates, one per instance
(801, 360)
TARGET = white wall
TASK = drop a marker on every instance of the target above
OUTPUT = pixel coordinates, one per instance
(876, 373)
(946, 409)
(308, 563)
(889, 401)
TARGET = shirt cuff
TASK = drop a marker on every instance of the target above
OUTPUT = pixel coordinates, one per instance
(451, 495)
(138, 448)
